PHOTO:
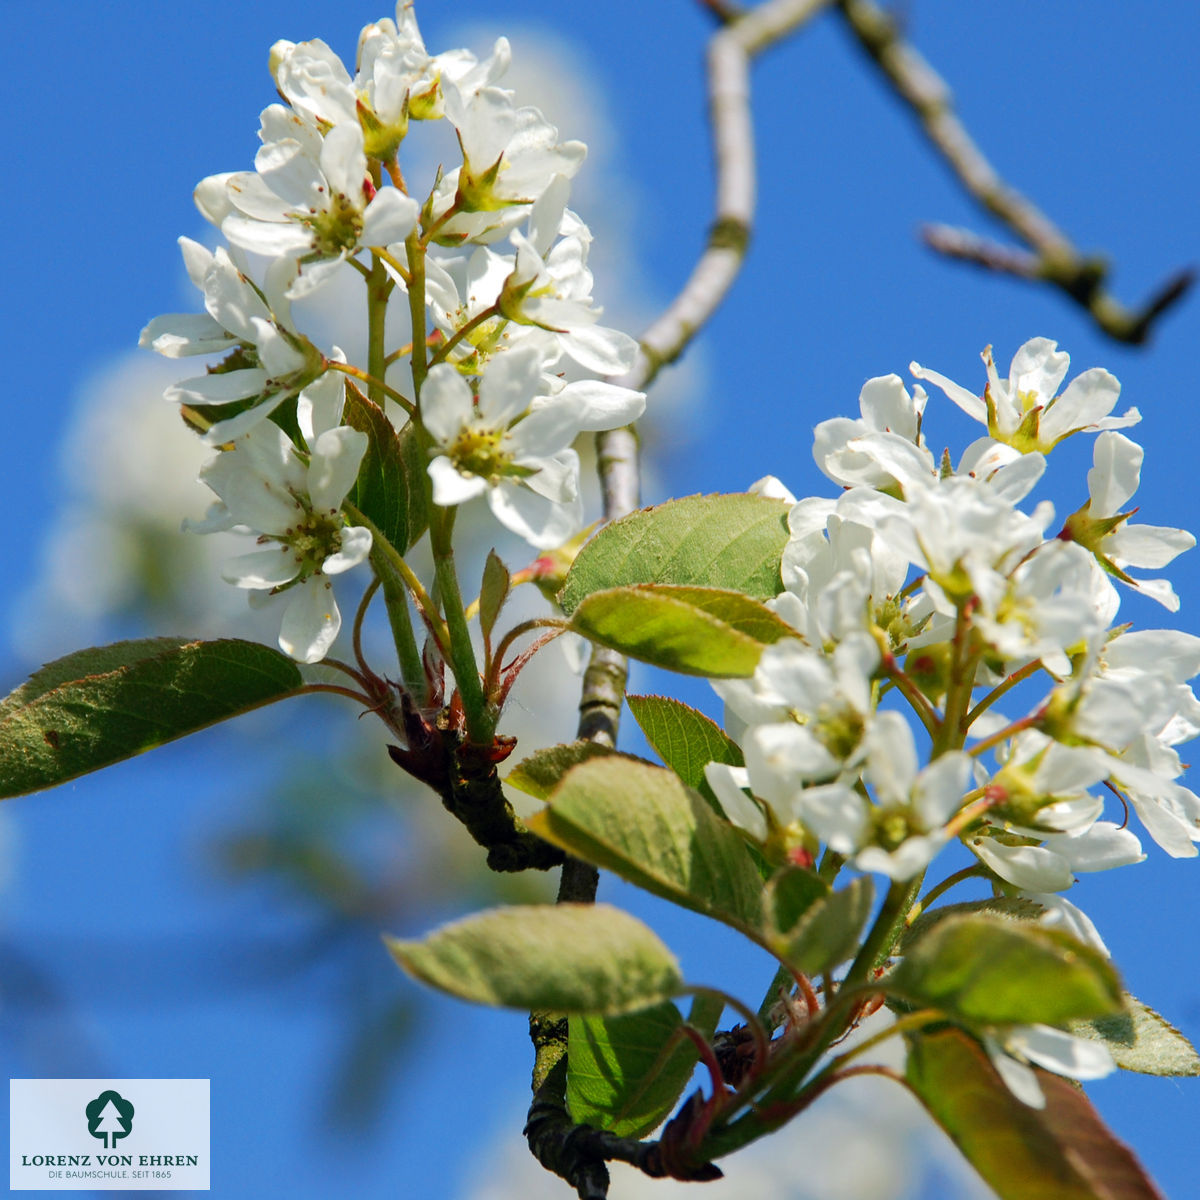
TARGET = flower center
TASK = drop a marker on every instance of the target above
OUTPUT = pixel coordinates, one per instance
(889, 828)
(480, 451)
(316, 537)
(335, 229)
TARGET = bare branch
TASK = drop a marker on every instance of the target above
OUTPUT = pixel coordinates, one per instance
(967, 246)
(740, 38)
(1055, 259)
(576, 1152)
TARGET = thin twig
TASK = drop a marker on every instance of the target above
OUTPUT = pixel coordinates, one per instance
(1050, 256)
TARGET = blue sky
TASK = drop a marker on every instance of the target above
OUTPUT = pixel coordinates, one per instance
(127, 951)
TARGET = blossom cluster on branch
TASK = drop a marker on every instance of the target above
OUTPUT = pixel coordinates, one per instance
(925, 587)
(501, 374)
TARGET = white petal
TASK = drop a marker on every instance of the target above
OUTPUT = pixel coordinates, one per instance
(314, 275)
(727, 784)
(1017, 1077)
(1039, 367)
(892, 758)
(177, 335)
(913, 855)
(557, 479)
(509, 384)
(222, 388)
(335, 461)
(319, 406)
(344, 162)
(1150, 546)
(278, 356)
(289, 170)
(542, 523)
(445, 404)
(1060, 913)
(390, 217)
(886, 406)
(834, 812)
(261, 568)
(772, 488)
(1031, 868)
(235, 427)
(1087, 399)
(252, 198)
(1062, 1053)
(939, 789)
(356, 545)
(311, 621)
(1115, 473)
(212, 199)
(451, 486)
(545, 432)
(598, 405)
(268, 238)
(600, 349)
(1101, 848)
(216, 520)
(971, 404)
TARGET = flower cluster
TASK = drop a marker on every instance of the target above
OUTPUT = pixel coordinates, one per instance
(936, 587)
(506, 345)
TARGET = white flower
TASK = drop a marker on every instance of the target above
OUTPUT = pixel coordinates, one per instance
(845, 449)
(841, 576)
(540, 295)
(397, 79)
(1134, 705)
(315, 82)
(1103, 529)
(1024, 411)
(264, 486)
(1056, 601)
(899, 834)
(313, 201)
(965, 534)
(269, 362)
(809, 713)
(510, 157)
(512, 443)
(1051, 867)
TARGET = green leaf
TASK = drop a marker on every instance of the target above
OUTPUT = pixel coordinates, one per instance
(685, 739)
(1060, 1152)
(640, 822)
(620, 1074)
(568, 958)
(998, 971)
(96, 707)
(692, 630)
(1012, 908)
(733, 541)
(492, 592)
(1140, 1040)
(391, 488)
(792, 892)
(827, 933)
(540, 773)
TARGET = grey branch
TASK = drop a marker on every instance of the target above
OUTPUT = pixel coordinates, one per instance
(1049, 255)
(578, 1152)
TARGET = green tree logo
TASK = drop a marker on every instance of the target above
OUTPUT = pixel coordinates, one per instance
(109, 1116)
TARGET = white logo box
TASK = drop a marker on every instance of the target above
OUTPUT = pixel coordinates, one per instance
(108, 1135)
